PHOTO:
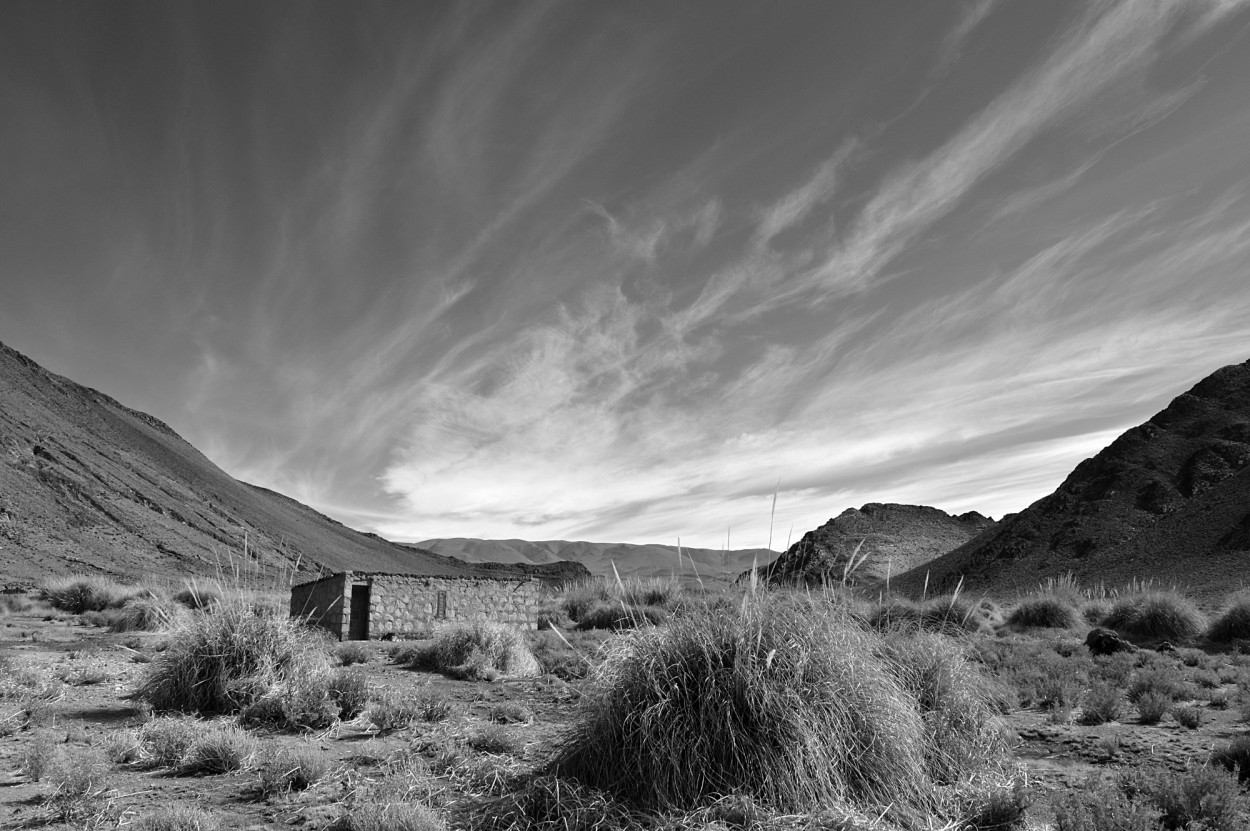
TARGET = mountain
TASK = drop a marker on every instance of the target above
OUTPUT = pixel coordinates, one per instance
(1168, 500)
(88, 485)
(630, 560)
(884, 540)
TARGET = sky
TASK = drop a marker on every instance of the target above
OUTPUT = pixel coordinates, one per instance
(630, 272)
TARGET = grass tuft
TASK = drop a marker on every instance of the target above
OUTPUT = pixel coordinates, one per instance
(1233, 624)
(790, 703)
(1045, 611)
(1156, 615)
(480, 650)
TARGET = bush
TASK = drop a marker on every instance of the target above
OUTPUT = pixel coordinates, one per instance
(198, 598)
(1103, 703)
(176, 818)
(1201, 797)
(1187, 716)
(166, 740)
(578, 596)
(39, 756)
(146, 614)
(77, 594)
(1233, 624)
(614, 615)
(291, 770)
(224, 662)
(789, 703)
(1164, 680)
(1234, 757)
(1158, 615)
(80, 790)
(352, 652)
(483, 650)
(394, 816)
(1103, 807)
(350, 692)
(1152, 707)
(221, 749)
(1044, 612)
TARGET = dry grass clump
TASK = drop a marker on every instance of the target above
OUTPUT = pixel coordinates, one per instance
(352, 652)
(394, 816)
(227, 661)
(578, 596)
(222, 748)
(78, 593)
(1233, 624)
(616, 615)
(1234, 757)
(176, 818)
(1156, 615)
(946, 614)
(789, 702)
(147, 614)
(481, 650)
(291, 769)
(651, 591)
(1045, 611)
(197, 597)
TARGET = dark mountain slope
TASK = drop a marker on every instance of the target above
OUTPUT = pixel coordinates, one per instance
(88, 485)
(890, 539)
(1168, 500)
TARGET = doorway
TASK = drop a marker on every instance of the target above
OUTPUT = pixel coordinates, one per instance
(358, 627)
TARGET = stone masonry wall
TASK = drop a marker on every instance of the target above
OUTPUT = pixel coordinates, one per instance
(408, 605)
(321, 602)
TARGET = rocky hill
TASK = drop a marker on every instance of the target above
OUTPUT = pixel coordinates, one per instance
(884, 539)
(1168, 500)
(629, 559)
(88, 485)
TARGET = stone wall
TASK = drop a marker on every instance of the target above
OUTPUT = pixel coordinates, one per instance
(321, 603)
(408, 605)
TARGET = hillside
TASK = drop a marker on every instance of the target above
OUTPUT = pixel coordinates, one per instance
(633, 560)
(1168, 500)
(891, 539)
(88, 485)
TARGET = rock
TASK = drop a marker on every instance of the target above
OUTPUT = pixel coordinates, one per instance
(1106, 642)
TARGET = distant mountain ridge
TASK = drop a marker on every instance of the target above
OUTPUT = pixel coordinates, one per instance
(630, 559)
(90, 485)
(1168, 499)
(885, 540)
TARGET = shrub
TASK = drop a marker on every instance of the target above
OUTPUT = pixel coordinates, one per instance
(224, 662)
(176, 818)
(1152, 707)
(493, 738)
(221, 749)
(395, 816)
(787, 702)
(291, 770)
(483, 650)
(615, 615)
(1200, 797)
(510, 713)
(1233, 624)
(39, 756)
(1103, 703)
(578, 596)
(1044, 612)
(1234, 757)
(146, 614)
(166, 740)
(198, 597)
(1164, 680)
(1157, 615)
(77, 594)
(80, 791)
(350, 692)
(352, 652)
(1187, 716)
(1103, 807)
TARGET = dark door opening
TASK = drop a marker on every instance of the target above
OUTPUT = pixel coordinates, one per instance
(358, 627)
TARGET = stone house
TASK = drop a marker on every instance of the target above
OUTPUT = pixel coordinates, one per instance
(361, 606)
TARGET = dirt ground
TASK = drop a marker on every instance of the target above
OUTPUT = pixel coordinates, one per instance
(95, 672)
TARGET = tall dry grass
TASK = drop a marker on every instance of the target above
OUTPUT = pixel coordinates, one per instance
(789, 702)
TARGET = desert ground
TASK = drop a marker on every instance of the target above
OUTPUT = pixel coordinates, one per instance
(412, 738)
